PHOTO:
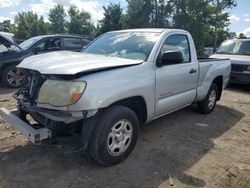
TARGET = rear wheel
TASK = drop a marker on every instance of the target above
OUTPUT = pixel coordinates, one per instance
(115, 135)
(207, 105)
(14, 77)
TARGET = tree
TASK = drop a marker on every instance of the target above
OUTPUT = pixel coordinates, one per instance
(112, 18)
(80, 22)
(192, 15)
(57, 19)
(219, 19)
(161, 13)
(138, 14)
(7, 26)
(148, 13)
(242, 36)
(28, 24)
(206, 20)
(232, 35)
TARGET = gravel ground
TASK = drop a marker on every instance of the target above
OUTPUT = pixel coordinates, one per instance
(184, 148)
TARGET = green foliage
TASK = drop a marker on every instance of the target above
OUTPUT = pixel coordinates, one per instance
(7, 26)
(161, 13)
(242, 36)
(206, 20)
(191, 15)
(148, 13)
(112, 18)
(218, 19)
(29, 24)
(57, 19)
(138, 14)
(232, 35)
(80, 22)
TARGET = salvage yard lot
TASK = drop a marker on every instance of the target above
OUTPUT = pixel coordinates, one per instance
(195, 150)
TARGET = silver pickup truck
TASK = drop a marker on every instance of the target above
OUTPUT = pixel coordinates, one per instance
(119, 82)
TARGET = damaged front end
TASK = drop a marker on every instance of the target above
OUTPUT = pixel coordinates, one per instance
(55, 121)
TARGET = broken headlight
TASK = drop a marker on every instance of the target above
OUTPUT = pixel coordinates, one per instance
(61, 92)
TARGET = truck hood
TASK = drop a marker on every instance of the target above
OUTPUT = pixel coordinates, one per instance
(235, 59)
(70, 63)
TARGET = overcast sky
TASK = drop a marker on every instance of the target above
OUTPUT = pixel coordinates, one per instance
(240, 16)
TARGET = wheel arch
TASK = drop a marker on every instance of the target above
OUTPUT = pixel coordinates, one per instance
(219, 83)
(136, 104)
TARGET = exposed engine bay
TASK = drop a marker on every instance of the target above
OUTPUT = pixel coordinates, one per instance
(57, 121)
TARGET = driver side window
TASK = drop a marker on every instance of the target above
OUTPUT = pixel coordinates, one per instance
(177, 42)
(49, 45)
(41, 45)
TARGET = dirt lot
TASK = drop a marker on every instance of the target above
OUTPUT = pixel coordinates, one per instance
(195, 150)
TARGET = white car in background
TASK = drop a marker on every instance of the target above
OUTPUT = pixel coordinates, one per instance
(238, 50)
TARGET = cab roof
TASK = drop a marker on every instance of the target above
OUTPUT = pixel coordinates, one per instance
(153, 30)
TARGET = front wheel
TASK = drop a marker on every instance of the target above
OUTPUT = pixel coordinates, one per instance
(115, 135)
(14, 77)
(207, 105)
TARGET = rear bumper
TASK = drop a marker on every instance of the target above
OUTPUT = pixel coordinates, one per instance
(34, 135)
(240, 78)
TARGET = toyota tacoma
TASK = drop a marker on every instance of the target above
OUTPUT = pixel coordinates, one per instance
(119, 82)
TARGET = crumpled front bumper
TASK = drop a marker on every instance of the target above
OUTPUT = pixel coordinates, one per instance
(35, 135)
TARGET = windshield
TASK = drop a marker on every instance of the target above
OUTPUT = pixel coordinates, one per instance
(129, 45)
(28, 43)
(235, 47)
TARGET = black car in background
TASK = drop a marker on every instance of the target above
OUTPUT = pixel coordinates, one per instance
(12, 54)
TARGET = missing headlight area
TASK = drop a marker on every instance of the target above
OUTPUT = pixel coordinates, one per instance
(50, 90)
(42, 88)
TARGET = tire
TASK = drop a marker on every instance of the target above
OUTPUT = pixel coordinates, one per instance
(208, 104)
(106, 135)
(13, 77)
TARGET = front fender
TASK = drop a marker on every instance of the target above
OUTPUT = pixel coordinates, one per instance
(107, 87)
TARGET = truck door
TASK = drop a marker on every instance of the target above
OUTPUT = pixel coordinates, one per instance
(176, 83)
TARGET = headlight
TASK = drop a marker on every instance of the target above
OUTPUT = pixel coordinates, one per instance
(60, 92)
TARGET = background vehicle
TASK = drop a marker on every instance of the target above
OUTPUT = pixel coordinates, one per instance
(238, 50)
(121, 81)
(6, 40)
(12, 77)
(208, 51)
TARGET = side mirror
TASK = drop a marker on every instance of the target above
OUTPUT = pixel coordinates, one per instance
(170, 57)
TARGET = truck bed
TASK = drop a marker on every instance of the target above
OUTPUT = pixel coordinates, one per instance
(209, 69)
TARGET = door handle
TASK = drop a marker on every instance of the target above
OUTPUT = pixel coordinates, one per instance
(192, 71)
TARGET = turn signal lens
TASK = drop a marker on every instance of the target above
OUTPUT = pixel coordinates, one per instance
(75, 97)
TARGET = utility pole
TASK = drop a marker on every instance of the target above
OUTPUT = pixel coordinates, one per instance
(218, 12)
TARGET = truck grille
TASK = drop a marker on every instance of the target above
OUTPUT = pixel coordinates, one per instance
(239, 68)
